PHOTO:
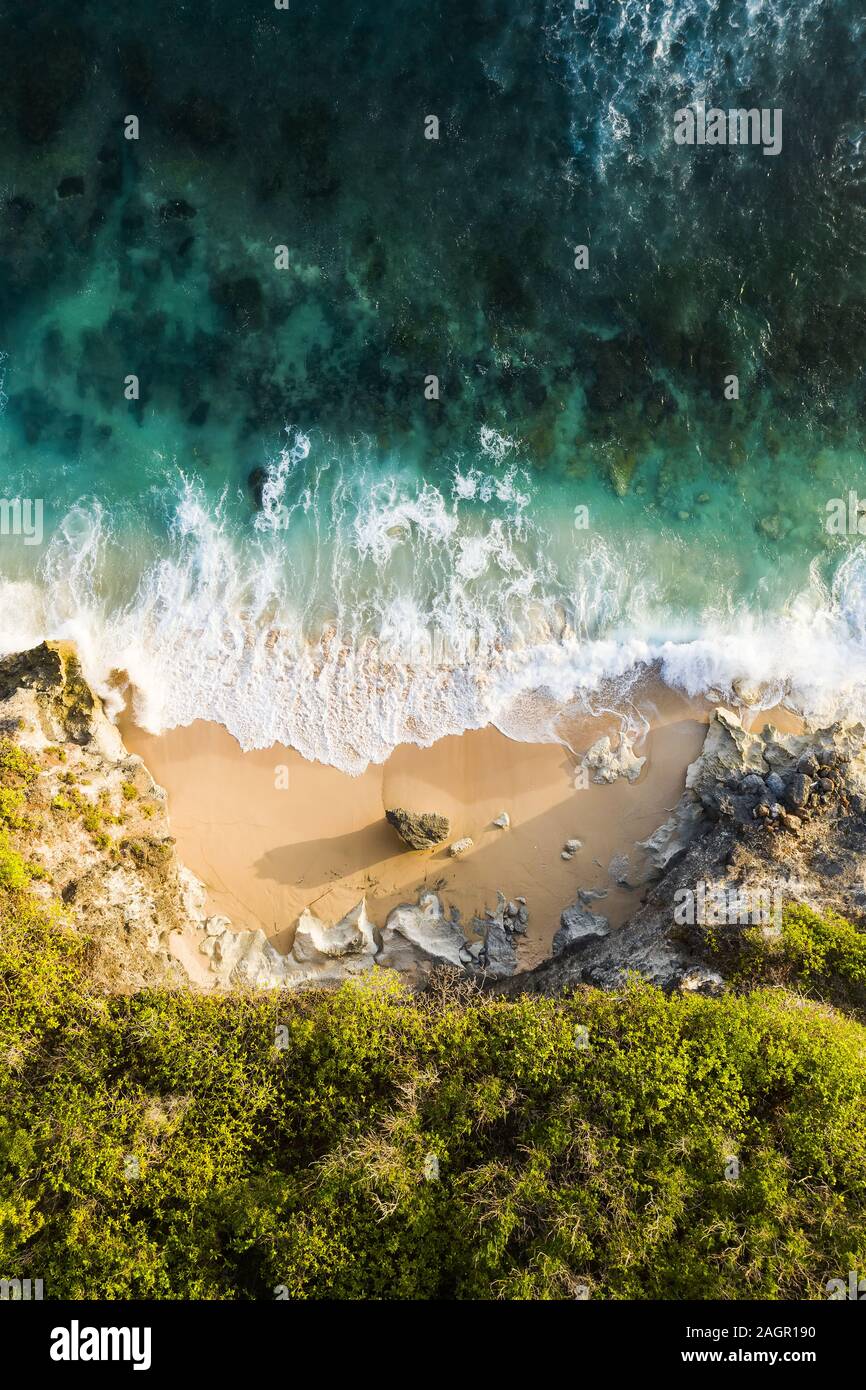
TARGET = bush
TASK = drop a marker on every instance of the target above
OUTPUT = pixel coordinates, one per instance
(822, 955)
(366, 1143)
(175, 1145)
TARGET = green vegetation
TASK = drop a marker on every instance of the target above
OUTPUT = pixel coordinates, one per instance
(368, 1144)
(168, 1145)
(820, 955)
(94, 816)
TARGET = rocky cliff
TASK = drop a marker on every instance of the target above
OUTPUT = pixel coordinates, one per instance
(764, 819)
(93, 826)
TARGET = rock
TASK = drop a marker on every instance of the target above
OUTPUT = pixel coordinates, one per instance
(256, 480)
(799, 790)
(620, 471)
(201, 119)
(425, 929)
(498, 958)
(728, 750)
(573, 846)
(566, 854)
(753, 784)
(321, 955)
(701, 980)
(352, 935)
(418, 831)
(608, 764)
(242, 957)
(775, 785)
(577, 923)
(50, 82)
(460, 847)
(750, 692)
(512, 910)
(673, 837)
(522, 916)
(503, 822)
(135, 69)
(177, 209)
(71, 187)
(242, 299)
(617, 870)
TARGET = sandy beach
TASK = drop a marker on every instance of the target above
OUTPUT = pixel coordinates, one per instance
(269, 833)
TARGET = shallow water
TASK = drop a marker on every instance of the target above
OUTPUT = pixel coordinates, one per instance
(282, 532)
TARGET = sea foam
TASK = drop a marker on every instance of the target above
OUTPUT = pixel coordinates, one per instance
(464, 623)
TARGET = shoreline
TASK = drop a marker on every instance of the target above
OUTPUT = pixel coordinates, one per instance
(269, 833)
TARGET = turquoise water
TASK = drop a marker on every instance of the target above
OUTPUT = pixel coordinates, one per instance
(283, 532)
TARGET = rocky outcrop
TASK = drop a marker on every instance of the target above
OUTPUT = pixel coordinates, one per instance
(418, 831)
(321, 953)
(764, 819)
(578, 924)
(606, 763)
(416, 938)
(95, 827)
(94, 823)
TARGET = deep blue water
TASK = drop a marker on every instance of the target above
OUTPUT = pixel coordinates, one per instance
(281, 530)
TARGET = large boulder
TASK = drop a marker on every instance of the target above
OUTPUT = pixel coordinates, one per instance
(418, 831)
(426, 930)
(577, 923)
(322, 953)
(607, 763)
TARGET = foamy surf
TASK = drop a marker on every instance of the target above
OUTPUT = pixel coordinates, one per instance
(208, 636)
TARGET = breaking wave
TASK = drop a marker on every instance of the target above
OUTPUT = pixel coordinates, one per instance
(379, 611)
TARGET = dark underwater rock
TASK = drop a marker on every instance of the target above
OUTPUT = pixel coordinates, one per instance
(201, 119)
(177, 209)
(135, 70)
(255, 482)
(242, 299)
(71, 187)
(50, 83)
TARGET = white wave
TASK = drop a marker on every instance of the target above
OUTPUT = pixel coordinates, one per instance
(213, 631)
(274, 515)
(495, 444)
(391, 518)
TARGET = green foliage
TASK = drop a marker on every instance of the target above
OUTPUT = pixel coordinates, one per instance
(18, 771)
(175, 1145)
(824, 948)
(14, 873)
(365, 1143)
(822, 955)
(17, 766)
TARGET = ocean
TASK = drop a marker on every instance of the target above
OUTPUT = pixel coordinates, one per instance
(386, 371)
